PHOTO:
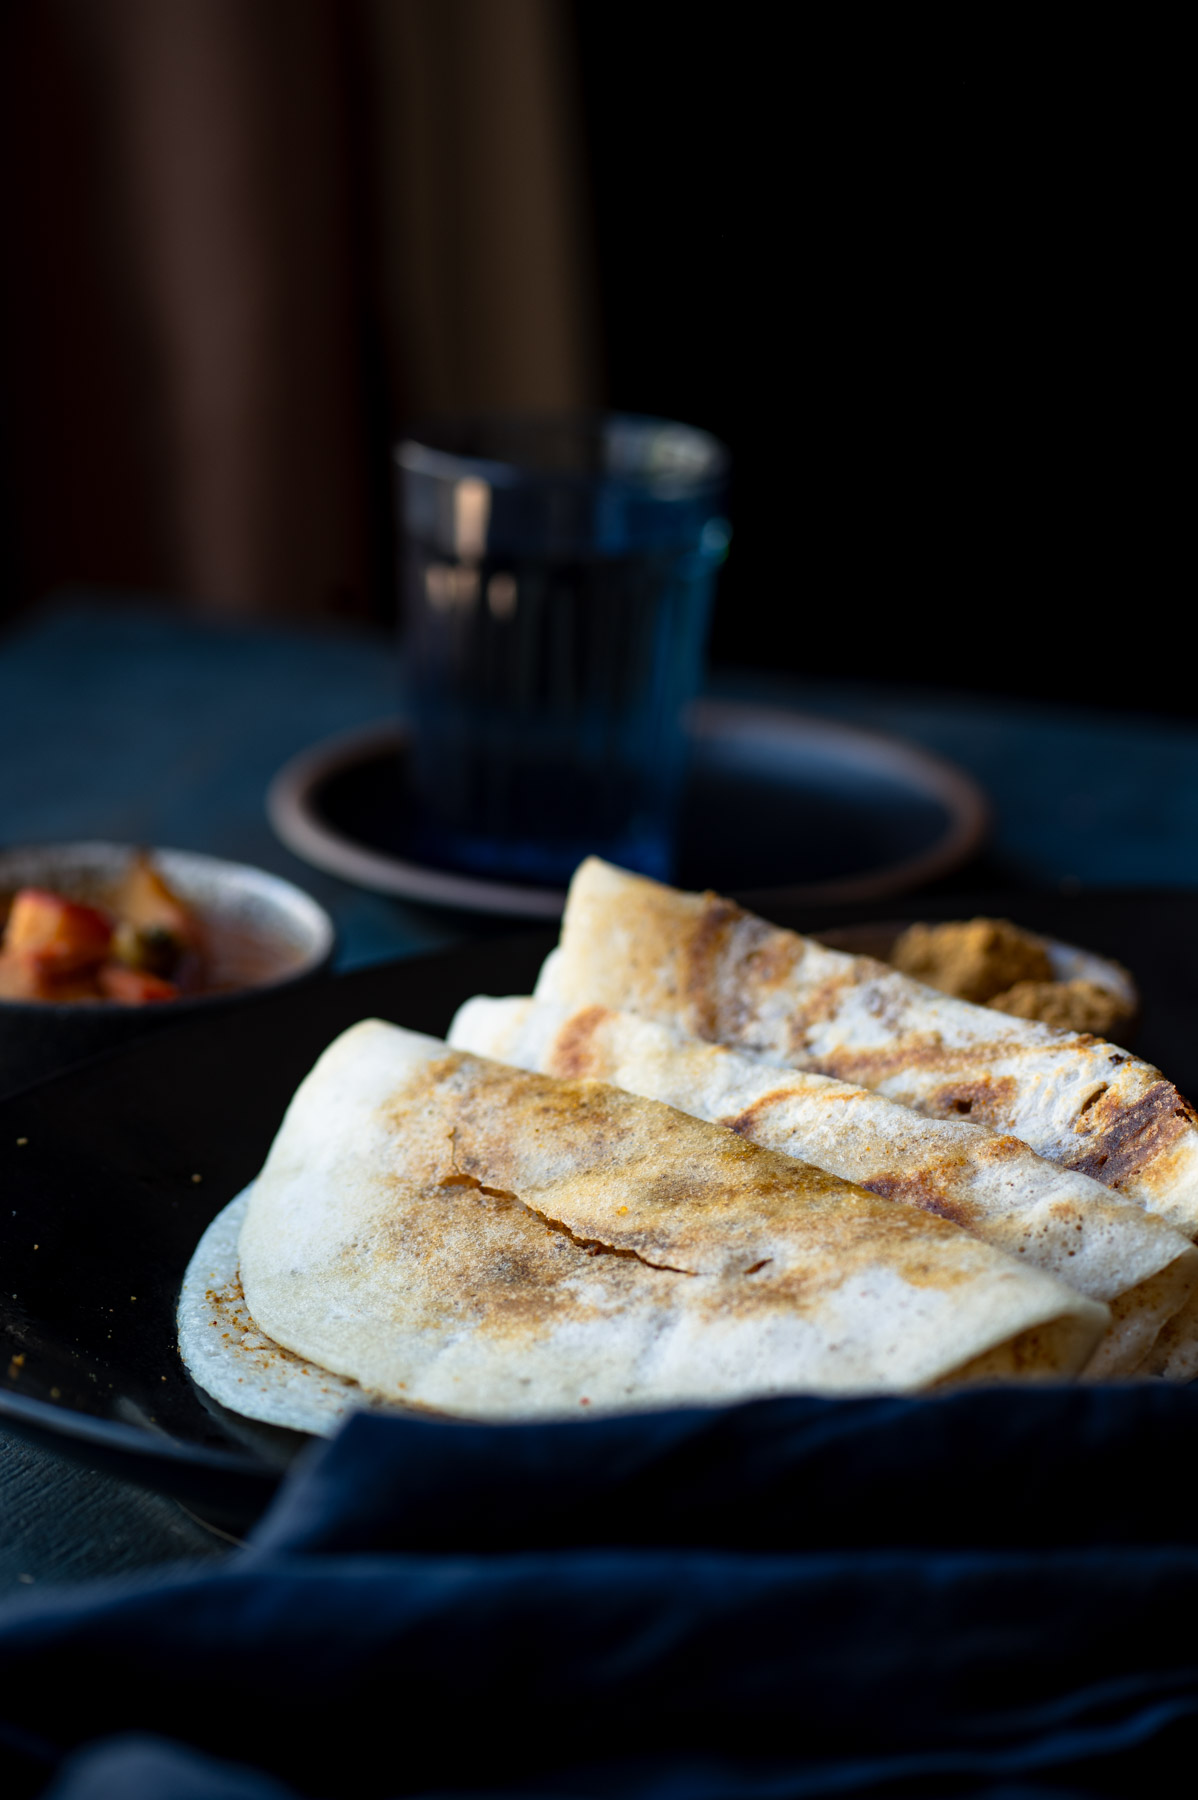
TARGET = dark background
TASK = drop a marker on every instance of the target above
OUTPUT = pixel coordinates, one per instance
(924, 278)
(933, 278)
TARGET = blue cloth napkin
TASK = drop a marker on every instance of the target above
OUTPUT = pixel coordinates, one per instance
(989, 1594)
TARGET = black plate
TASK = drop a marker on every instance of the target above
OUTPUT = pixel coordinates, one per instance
(101, 1208)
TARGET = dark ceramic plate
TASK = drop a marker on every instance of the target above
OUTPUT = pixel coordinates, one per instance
(102, 1207)
(775, 799)
(109, 1174)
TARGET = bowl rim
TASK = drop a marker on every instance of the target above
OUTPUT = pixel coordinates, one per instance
(315, 958)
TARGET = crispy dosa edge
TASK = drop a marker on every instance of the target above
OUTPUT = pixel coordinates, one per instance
(237, 1364)
(720, 971)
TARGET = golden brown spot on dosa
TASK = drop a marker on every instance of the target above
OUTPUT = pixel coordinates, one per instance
(1123, 1140)
(999, 1149)
(823, 1002)
(574, 1047)
(870, 1066)
(987, 1100)
(918, 1187)
(748, 1124)
(705, 951)
(773, 959)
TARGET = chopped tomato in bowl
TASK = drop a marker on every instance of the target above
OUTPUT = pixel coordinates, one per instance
(146, 947)
(101, 942)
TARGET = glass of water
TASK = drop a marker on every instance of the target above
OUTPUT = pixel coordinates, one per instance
(557, 578)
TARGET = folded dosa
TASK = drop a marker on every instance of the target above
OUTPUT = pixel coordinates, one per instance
(989, 1184)
(728, 976)
(236, 1363)
(454, 1233)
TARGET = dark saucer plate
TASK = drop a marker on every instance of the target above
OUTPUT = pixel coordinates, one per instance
(112, 1170)
(777, 800)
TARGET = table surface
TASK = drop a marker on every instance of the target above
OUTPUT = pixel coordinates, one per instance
(147, 725)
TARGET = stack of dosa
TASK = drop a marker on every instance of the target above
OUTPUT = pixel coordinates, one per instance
(723, 974)
(991, 1185)
(462, 1235)
(701, 962)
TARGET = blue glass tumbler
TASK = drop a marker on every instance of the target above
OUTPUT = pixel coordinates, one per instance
(557, 577)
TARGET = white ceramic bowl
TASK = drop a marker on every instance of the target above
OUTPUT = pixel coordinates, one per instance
(262, 931)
